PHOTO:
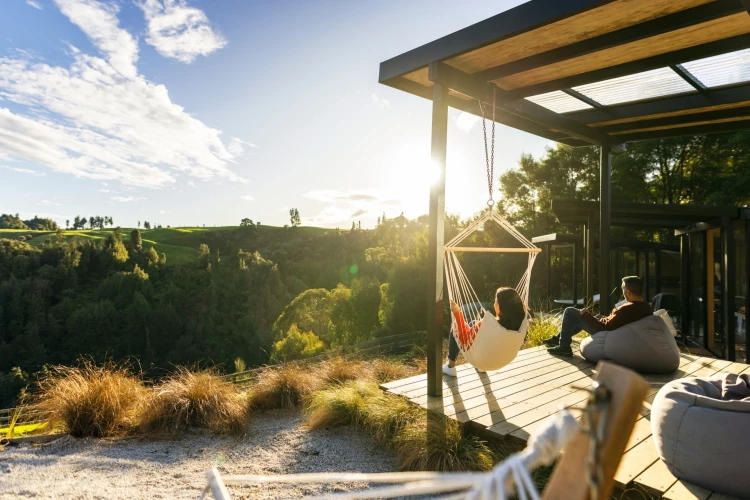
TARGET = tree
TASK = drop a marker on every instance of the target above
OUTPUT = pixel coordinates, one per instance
(139, 224)
(296, 345)
(294, 218)
(77, 222)
(67, 223)
(92, 222)
(136, 242)
(246, 222)
(354, 226)
(146, 225)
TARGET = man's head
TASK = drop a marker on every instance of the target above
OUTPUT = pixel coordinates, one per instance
(632, 288)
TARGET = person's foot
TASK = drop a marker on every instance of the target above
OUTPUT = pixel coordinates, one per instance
(552, 341)
(449, 370)
(560, 351)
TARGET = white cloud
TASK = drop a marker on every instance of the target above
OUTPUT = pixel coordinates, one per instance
(466, 121)
(345, 206)
(27, 171)
(34, 4)
(51, 203)
(247, 198)
(178, 31)
(99, 21)
(104, 190)
(92, 121)
(105, 184)
(237, 146)
(162, 212)
(126, 199)
(191, 183)
(380, 102)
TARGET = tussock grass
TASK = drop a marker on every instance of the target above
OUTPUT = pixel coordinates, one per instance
(341, 405)
(387, 415)
(340, 369)
(195, 398)
(89, 400)
(440, 445)
(386, 370)
(284, 387)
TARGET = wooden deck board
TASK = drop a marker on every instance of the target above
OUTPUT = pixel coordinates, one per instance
(519, 398)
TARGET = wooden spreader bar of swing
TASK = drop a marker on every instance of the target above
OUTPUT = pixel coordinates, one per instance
(495, 250)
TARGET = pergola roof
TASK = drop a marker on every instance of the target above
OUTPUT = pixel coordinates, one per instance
(599, 72)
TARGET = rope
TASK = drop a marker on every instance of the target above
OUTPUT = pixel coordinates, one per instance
(511, 474)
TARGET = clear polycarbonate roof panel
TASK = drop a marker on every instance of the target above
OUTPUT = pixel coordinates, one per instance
(724, 69)
(559, 102)
(638, 87)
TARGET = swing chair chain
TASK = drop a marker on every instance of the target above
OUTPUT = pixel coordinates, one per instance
(489, 151)
(598, 405)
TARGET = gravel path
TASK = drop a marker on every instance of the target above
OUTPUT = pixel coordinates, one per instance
(278, 443)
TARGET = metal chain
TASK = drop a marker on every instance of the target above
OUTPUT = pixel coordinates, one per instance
(598, 404)
(489, 152)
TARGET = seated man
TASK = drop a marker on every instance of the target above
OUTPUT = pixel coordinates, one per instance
(574, 320)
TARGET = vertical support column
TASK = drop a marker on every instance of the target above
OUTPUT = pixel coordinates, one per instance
(588, 230)
(549, 269)
(575, 274)
(728, 289)
(746, 287)
(647, 274)
(657, 265)
(436, 242)
(685, 286)
(638, 264)
(605, 217)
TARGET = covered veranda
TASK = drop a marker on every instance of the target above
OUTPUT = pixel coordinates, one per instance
(582, 73)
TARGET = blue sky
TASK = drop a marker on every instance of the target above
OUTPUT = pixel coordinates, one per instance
(191, 112)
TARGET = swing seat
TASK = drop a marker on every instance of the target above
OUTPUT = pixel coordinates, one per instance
(494, 346)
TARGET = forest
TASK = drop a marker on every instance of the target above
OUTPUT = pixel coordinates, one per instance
(263, 294)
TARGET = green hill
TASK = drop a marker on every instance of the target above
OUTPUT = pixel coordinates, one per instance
(180, 244)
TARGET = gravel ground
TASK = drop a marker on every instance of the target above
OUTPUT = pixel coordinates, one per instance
(278, 443)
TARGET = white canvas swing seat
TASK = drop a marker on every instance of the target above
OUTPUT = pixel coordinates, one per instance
(491, 346)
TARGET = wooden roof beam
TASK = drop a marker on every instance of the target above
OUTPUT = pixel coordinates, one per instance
(679, 120)
(709, 128)
(665, 24)
(466, 84)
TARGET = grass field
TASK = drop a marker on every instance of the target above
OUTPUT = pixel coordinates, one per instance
(20, 430)
(179, 243)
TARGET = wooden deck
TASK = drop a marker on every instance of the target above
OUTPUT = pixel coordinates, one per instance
(514, 401)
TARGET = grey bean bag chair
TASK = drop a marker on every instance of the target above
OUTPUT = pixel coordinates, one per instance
(701, 435)
(646, 346)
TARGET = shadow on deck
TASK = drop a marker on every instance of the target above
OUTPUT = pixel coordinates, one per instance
(513, 402)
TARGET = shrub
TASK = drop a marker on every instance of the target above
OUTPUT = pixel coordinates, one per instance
(239, 365)
(283, 387)
(339, 370)
(195, 398)
(542, 327)
(90, 400)
(386, 415)
(439, 445)
(297, 345)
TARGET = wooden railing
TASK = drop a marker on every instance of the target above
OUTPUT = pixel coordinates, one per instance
(380, 345)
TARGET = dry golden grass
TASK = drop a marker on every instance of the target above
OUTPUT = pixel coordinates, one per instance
(340, 369)
(440, 445)
(284, 387)
(195, 398)
(387, 370)
(90, 400)
(341, 405)
(387, 415)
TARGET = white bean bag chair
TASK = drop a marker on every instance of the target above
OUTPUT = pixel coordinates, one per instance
(701, 437)
(646, 346)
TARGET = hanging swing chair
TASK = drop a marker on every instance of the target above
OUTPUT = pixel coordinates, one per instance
(491, 346)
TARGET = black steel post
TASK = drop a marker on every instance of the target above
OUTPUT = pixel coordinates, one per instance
(728, 290)
(605, 215)
(589, 271)
(746, 288)
(657, 271)
(685, 285)
(436, 243)
(549, 269)
(575, 274)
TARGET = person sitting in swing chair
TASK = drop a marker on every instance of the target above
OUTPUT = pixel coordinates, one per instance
(510, 313)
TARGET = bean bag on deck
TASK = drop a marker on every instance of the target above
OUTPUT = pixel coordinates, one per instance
(646, 346)
(701, 432)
